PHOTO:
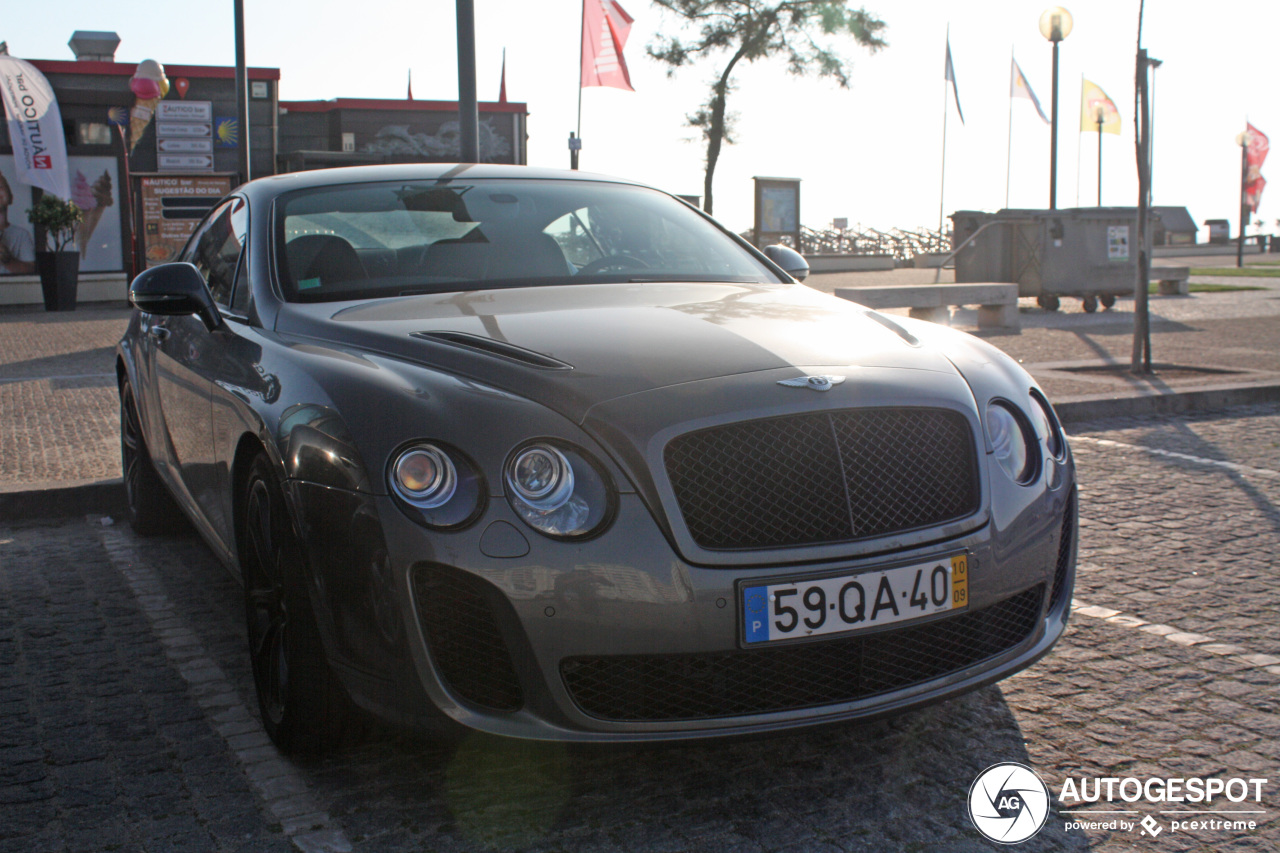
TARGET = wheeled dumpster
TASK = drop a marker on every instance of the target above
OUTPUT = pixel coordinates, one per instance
(1084, 252)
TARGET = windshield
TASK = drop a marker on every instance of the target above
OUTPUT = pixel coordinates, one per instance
(362, 241)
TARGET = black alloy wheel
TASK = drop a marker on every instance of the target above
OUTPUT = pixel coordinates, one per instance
(302, 705)
(149, 506)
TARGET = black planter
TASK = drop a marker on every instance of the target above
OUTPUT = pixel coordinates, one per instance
(59, 276)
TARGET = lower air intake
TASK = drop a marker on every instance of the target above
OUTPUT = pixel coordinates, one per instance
(464, 638)
(658, 688)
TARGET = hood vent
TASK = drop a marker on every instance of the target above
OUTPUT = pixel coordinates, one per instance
(501, 349)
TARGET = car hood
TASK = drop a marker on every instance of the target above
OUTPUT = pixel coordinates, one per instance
(573, 347)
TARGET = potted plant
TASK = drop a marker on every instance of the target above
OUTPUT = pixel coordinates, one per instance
(60, 268)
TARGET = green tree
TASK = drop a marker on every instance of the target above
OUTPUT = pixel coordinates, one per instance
(806, 33)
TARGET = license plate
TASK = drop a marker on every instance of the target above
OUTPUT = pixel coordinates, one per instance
(811, 608)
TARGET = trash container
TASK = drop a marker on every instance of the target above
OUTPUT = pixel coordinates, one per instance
(1084, 252)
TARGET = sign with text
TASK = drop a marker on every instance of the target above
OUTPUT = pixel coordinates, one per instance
(184, 111)
(172, 206)
(184, 136)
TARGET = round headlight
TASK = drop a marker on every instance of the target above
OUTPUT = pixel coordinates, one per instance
(541, 477)
(1009, 442)
(559, 491)
(424, 475)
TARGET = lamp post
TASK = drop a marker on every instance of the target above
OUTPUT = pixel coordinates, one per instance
(468, 107)
(1055, 25)
(1151, 136)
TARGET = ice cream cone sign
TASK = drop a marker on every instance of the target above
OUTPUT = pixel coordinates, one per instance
(93, 201)
(149, 85)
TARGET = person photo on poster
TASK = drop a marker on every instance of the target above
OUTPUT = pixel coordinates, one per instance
(17, 246)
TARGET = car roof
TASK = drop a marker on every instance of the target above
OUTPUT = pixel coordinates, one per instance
(265, 189)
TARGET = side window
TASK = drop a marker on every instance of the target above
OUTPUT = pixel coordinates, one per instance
(216, 249)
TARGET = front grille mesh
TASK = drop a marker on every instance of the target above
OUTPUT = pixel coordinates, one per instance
(465, 639)
(829, 477)
(654, 688)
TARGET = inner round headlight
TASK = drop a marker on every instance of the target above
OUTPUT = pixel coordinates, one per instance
(542, 477)
(1009, 442)
(558, 490)
(425, 476)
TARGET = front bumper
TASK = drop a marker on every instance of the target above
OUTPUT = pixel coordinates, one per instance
(618, 639)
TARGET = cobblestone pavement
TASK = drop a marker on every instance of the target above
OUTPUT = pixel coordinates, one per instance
(125, 699)
(58, 405)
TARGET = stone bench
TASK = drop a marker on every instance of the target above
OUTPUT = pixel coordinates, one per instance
(1172, 281)
(998, 301)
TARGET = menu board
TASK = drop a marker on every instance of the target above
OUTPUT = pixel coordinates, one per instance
(172, 207)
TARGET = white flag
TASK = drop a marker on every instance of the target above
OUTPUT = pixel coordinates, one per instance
(35, 127)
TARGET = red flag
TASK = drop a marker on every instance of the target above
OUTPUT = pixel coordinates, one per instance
(604, 34)
(1256, 147)
(502, 89)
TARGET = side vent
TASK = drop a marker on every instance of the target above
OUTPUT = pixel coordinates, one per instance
(500, 349)
(1066, 545)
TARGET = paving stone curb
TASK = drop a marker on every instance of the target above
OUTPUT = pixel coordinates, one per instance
(22, 502)
(1073, 410)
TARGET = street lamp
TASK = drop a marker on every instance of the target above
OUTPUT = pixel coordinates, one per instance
(1055, 25)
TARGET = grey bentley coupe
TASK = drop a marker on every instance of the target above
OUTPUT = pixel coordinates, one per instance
(554, 455)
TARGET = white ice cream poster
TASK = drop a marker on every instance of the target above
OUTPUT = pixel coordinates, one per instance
(95, 188)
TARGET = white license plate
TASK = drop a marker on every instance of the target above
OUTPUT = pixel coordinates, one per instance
(811, 608)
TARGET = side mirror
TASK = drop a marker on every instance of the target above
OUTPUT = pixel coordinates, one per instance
(174, 290)
(791, 261)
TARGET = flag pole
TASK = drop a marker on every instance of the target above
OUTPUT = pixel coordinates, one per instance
(1078, 146)
(1099, 158)
(1008, 154)
(942, 190)
(573, 151)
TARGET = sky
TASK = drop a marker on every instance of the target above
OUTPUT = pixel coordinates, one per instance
(872, 153)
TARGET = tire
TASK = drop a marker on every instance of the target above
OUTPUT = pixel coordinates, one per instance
(1108, 300)
(1089, 303)
(148, 504)
(1048, 303)
(303, 707)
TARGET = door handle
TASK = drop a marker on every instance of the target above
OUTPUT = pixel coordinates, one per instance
(160, 333)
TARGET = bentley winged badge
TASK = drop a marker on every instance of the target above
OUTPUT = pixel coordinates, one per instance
(817, 383)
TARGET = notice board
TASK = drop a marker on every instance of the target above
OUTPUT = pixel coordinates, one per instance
(172, 207)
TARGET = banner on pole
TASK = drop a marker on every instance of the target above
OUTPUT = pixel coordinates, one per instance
(605, 27)
(35, 127)
(1256, 147)
(1020, 88)
(950, 74)
(1095, 107)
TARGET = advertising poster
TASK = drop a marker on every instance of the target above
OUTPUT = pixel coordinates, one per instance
(95, 188)
(779, 213)
(17, 237)
(172, 207)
